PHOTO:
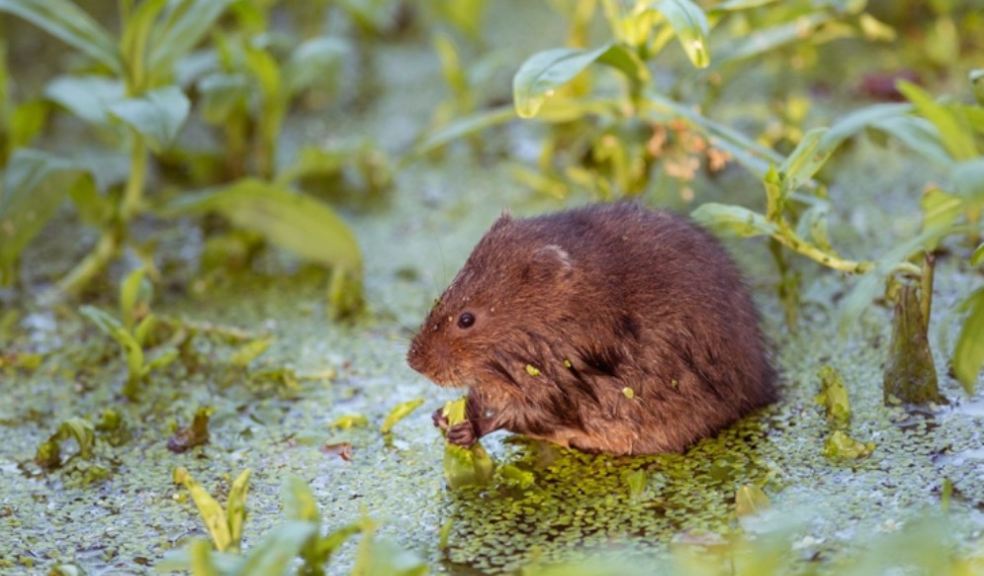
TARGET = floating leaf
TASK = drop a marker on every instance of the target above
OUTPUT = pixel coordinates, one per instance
(833, 396)
(690, 25)
(471, 466)
(545, 72)
(399, 412)
(750, 499)
(70, 24)
(840, 445)
(733, 220)
(157, 115)
(968, 356)
(350, 421)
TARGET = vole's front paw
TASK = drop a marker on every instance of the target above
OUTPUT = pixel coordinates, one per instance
(440, 420)
(462, 434)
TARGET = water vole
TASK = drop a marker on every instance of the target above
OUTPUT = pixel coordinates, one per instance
(609, 328)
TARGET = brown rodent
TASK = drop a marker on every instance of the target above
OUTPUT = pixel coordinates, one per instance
(609, 328)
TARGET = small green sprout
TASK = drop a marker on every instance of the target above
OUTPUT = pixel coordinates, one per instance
(225, 526)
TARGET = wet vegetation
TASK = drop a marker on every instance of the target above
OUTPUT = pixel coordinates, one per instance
(221, 221)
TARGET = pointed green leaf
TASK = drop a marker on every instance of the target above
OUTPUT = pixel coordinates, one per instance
(767, 39)
(399, 412)
(968, 356)
(236, 508)
(273, 555)
(299, 502)
(955, 137)
(211, 512)
(545, 72)
(64, 20)
(465, 126)
(810, 155)
(133, 43)
(291, 220)
(733, 220)
(86, 97)
(130, 292)
(690, 25)
(185, 25)
(157, 115)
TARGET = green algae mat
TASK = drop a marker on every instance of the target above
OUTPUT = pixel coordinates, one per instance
(248, 368)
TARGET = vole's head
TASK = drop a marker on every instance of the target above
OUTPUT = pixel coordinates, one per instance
(514, 283)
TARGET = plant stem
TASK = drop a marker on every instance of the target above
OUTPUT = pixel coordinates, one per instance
(926, 295)
(92, 265)
(790, 240)
(133, 196)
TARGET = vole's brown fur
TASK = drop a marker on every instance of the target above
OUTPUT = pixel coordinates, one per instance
(610, 328)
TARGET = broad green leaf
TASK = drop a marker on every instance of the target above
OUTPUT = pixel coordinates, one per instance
(133, 42)
(157, 115)
(211, 512)
(383, 558)
(750, 499)
(690, 25)
(939, 211)
(293, 221)
(399, 412)
(465, 126)
(313, 161)
(955, 137)
(810, 155)
(274, 554)
(34, 185)
(185, 23)
(543, 73)
(315, 62)
(236, 508)
(733, 220)
(86, 97)
(222, 95)
(70, 24)
(968, 356)
(968, 180)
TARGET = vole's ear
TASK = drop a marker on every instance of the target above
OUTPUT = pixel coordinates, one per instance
(551, 261)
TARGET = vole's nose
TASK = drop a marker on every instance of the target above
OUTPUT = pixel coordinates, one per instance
(415, 357)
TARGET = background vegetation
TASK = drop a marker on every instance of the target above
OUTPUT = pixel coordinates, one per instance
(160, 172)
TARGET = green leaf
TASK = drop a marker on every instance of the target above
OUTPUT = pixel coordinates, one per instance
(543, 73)
(211, 512)
(399, 412)
(250, 351)
(93, 208)
(383, 558)
(70, 24)
(184, 26)
(200, 559)
(841, 446)
(858, 120)
(733, 220)
(465, 126)
(978, 257)
(34, 185)
(690, 25)
(133, 42)
(917, 134)
(810, 155)
(86, 97)
(471, 466)
(955, 137)
(768, 39)
(236, 508)
(222, 95)
(84, 433)
(348, 421)
(299, 501)
(157, 115)
(833, 396)
(750, 499)
(134, 289)
(114, 329)
(313, 63)
(939, 210)
(968, 180)
(293, 221)
(812, 226)
(26, 122)
(968, 356)
(316, 162)
(274, 554)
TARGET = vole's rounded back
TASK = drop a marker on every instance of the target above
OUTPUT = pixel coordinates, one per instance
(609, 328)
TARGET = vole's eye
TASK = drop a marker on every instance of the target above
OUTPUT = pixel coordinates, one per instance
(466, 320)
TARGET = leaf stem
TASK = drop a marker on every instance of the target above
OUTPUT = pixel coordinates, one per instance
(789, 239)
(133, 196)
(93, 264)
